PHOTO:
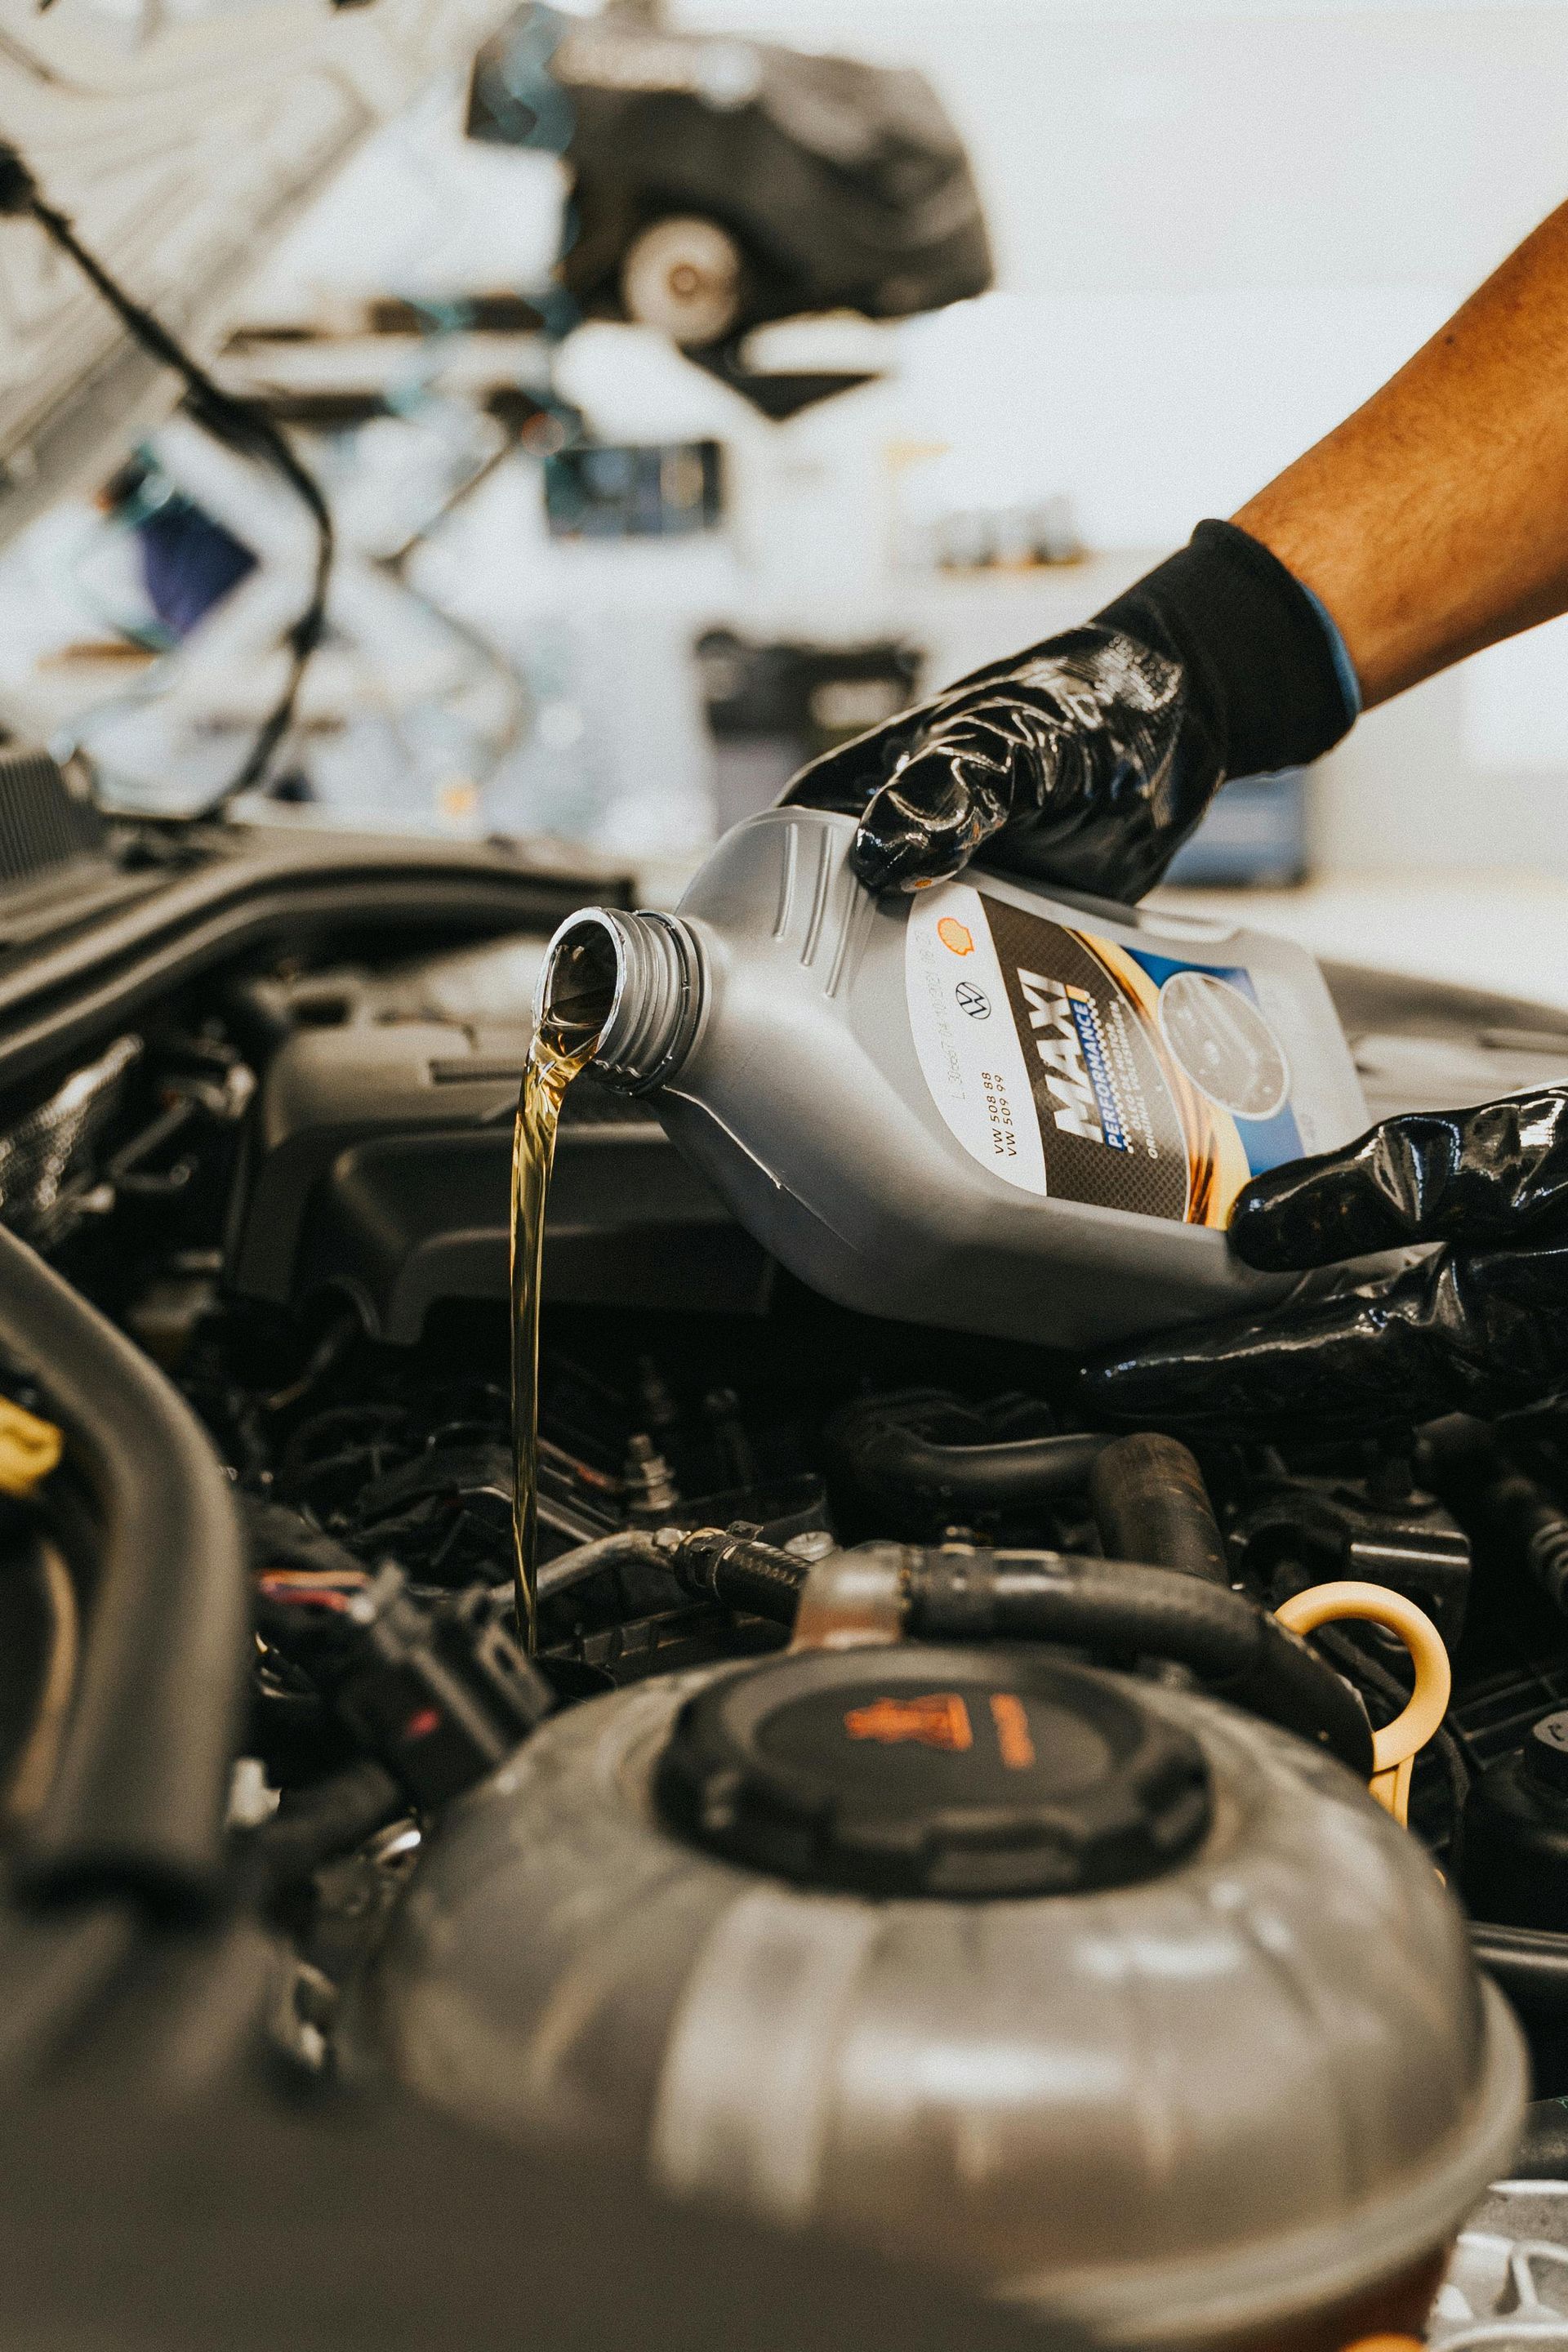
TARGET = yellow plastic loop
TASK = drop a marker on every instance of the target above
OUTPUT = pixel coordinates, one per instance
(1395, 1748)
(29, 1449)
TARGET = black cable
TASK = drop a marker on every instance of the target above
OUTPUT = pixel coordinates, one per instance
(901, 1470)
(239, 424)
(278, 1536)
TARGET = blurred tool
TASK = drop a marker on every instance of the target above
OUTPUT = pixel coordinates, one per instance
(772, 707)
(719, 184)
(650, 490)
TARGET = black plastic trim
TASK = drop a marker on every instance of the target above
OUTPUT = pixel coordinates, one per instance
(67, 991)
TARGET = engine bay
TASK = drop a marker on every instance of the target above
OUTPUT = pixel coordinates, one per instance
(282, 1175)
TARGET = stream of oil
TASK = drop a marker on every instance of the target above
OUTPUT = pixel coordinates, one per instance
(560, 1048)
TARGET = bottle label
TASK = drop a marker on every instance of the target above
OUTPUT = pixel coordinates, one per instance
(1076, 1067)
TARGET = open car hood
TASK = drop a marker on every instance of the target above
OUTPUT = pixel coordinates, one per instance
(183, 141)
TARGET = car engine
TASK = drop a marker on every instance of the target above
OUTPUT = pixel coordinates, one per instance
(912, 1828)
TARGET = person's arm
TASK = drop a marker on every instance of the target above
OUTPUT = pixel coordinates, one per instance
(1433, 522)
(1435, 519)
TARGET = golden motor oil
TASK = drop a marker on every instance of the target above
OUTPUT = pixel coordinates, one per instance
(988, 1105)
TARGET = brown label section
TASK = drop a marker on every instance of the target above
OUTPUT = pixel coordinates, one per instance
(1111, 1132)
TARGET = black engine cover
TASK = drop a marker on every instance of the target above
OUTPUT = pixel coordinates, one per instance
(379, 1165)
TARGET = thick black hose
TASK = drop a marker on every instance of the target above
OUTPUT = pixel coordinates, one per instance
(1544, 2147)
(328, 1819)
(894, 1464)
(1238, 1650)
(1150, 1503)
(139, 1800)
(733, 1566)
(1234, 1646)
(1531, 1964)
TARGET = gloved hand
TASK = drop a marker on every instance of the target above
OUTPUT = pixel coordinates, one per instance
(1089, 760)
(1480, 1326)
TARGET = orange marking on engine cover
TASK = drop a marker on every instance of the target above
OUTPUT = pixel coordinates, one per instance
(1012, 1731)
(940, 1721)
(956, 937)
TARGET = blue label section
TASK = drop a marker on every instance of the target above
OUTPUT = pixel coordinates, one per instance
(1096, 1068)
(1268, 1142)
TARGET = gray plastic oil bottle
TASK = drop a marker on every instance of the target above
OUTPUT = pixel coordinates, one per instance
(987, 1106)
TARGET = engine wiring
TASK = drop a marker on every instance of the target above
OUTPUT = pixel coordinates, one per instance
(330, 1589)
(238, 424)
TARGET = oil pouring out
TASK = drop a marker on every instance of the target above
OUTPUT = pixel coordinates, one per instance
(566, 1031)
(620, 991)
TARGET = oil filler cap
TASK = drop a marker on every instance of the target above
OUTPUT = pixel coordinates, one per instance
(955, 1772)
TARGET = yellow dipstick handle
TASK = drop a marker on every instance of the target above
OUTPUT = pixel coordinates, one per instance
(1394, 1749)
(29, 1449)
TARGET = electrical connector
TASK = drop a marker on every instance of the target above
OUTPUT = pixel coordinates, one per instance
(441, 1692)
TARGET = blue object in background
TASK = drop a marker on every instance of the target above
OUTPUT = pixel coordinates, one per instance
(189, 562)
(1255, 836)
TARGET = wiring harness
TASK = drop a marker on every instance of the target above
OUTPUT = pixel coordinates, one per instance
(239, 424)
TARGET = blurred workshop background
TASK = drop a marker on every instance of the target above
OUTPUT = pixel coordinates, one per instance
(637, 507)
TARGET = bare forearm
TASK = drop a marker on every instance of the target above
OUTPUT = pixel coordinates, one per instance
(1435, 519)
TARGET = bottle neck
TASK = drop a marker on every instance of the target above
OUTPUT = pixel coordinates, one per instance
(638, 980)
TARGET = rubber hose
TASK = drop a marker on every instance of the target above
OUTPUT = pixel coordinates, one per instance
(886, 1457)
(1531, 1964)
(141, 1793)
(733, 1566)
(1543, 2148)
(328, 1819)
(1235, 1647)
(1150, 1504)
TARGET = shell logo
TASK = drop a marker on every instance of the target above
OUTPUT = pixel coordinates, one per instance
(955, 936)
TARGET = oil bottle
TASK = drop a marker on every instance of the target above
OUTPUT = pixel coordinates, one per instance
(988, 1105)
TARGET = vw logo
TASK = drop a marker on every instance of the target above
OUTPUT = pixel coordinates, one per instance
(973, 1001)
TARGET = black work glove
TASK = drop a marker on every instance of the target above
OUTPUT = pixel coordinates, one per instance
(1480, 1327)
(1089, 760)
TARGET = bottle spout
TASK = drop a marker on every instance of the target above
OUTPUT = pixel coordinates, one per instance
(635, 981)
